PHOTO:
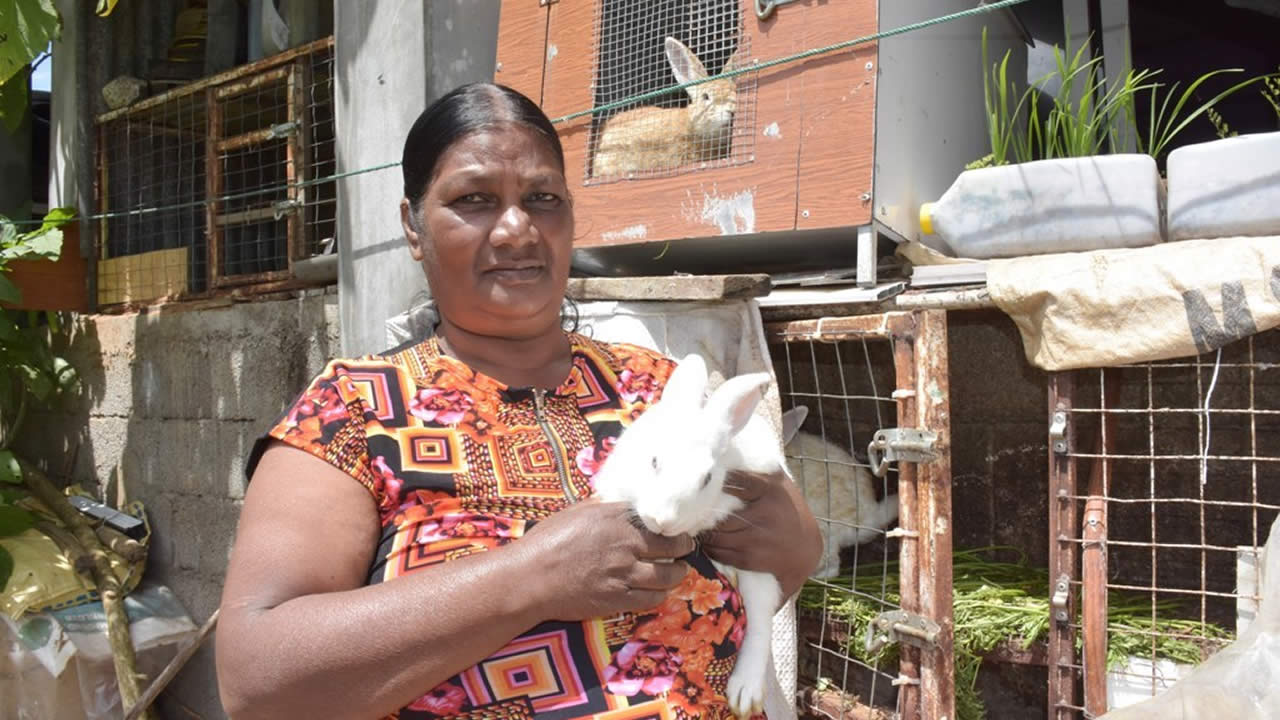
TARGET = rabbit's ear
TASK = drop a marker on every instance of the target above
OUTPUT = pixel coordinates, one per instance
(684, 64)
(688, 382)
(730, 407)
(791, 421)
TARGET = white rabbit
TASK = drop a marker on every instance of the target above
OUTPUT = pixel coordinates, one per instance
(839, 491)
(670, 466)
(651, 138)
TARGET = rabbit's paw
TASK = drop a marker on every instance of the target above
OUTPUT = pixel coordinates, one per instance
(745, 690)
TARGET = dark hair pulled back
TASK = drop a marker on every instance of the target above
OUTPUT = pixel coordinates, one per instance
(464, 110)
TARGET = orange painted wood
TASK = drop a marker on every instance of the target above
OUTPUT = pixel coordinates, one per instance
(818, 152)
(522, 42)
(838, 103)
(59, 285)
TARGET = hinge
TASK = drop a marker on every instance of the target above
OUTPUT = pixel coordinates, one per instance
(1058, 431)
(900, 626)
(895, 444)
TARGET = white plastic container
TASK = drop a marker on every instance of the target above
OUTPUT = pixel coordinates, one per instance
(1225, 188)
(1049, 206)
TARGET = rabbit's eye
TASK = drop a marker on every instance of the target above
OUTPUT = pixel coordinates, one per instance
(706, 97)
(654, 462)
(706, 480)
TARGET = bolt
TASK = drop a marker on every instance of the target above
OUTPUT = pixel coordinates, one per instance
(865, 197)
(869, 66)
(804, 213)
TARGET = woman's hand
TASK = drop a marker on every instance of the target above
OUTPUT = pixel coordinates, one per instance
(593, 562)
(774, 533)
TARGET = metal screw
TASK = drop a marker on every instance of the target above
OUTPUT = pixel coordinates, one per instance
(865, 197)
(869, 66)
(804, 213)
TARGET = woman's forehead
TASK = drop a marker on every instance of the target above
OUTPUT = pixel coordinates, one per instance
(500, 150)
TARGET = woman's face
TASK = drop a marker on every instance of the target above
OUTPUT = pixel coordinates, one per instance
(496, 233)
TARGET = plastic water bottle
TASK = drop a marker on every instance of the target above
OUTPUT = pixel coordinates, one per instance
(1049, 206)
(1225, 188)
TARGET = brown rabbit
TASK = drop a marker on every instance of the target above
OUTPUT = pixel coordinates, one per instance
(653, 138)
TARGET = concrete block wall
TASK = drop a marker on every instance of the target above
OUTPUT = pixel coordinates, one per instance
(173, 400)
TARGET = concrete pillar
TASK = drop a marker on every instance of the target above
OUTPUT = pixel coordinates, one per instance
(393, 58)
(71, 141)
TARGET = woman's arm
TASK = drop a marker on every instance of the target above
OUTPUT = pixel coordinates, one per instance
(300, 636)
(774, 533)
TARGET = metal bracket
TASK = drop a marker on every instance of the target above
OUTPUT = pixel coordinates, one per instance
(285, 207)
(900, 626)
(1059, 600)
(895, 444)
(284, 129)
(1058, 431)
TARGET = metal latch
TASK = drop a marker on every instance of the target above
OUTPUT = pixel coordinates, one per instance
(1058, 432)
(894, 444)
(284, 129)
(900, 626)
(1059, 600)
(285, 207)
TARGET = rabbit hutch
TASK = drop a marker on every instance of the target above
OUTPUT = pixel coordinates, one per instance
(784, 166)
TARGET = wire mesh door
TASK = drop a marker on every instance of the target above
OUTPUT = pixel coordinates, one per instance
(872, 455)
(1162, 486)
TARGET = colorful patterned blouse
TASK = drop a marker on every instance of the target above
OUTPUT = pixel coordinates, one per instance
(459, 463)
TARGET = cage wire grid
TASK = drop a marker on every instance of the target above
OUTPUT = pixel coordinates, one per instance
(1189, 486)
(704, 126)
(250, 134)
(845, 410)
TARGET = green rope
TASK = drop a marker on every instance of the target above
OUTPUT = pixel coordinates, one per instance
(755, 67)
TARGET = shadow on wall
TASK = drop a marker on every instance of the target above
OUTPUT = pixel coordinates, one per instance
(172, 403)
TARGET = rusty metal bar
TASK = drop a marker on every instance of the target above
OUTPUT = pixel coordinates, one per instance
(933, 496)
(258, 278)
(220, 78)
(244, 217)
(904, 362)
(213, 188)
(879, 326)
(1093, 560)
(240, 87)
(1062, 550)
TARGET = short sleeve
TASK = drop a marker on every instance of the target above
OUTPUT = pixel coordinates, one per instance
(329, 421)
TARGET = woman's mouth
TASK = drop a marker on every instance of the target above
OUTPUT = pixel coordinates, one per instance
(516, 274)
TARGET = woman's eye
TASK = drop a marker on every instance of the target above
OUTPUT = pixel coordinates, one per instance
(544, 198)
(472, 199)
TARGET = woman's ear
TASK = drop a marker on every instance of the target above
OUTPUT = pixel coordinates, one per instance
(412, 235)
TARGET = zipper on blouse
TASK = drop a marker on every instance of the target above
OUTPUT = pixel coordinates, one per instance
(540, 412)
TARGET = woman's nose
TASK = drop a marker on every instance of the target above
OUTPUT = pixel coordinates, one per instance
(512, 228)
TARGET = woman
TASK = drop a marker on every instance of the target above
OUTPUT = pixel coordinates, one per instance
(417, 539)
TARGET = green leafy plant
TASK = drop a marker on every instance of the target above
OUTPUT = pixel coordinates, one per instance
(30, 372)
(1006, 602)
(1087, 115)
(26, 29)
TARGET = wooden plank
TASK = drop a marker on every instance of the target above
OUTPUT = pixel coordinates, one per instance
(837, 102)
(1062, 556)
(222, 77)
(522, 36)
(670, 287)
(240, 87)
(876, 326)
(909, 551)
(933, 407)
(295, 168)
(213, 188)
